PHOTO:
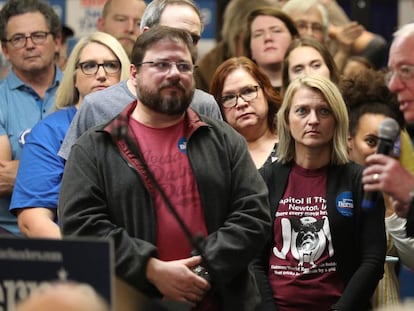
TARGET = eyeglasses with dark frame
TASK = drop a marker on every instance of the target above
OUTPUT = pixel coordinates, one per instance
(91, 67)
(165, 66)
(19, 40)
(247, 93)
(404, 72)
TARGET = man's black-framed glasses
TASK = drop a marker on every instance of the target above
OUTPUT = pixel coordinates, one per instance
(91, 67)
(19, 40)
(165, 66)
(247, 93)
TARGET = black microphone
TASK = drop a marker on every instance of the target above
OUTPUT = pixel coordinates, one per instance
(388, 132)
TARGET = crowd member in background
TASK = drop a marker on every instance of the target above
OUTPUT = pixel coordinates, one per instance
(100, 107)
(63, 296)
(342, 36)
(369, 45)
(231, 43)
(390, 176)
(249, 104)
(124, 185)
(356, 65)
(325, 251)
(269, 33)
(96, 62)
(122, 19)
(312, 20)
(62, 54)
(306, 56)
(30, 37)
(369, 103)
(175, 13)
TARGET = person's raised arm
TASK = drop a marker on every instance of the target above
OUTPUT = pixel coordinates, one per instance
(345, 37)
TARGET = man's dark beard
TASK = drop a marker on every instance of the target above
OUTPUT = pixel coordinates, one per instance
(173, 104)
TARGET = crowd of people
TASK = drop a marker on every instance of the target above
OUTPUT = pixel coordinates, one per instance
(231, 182)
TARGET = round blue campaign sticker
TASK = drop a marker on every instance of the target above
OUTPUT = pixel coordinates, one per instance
(182, 145)
(345, 204)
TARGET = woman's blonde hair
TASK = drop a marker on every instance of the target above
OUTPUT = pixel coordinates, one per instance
(333, 97)
(67, 94)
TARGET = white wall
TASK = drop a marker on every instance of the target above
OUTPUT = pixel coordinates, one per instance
(405, 12)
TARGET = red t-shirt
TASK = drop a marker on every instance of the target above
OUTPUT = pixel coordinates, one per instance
(302, 272)
(165, 151)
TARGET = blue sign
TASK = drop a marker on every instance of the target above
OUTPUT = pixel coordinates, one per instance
(208, 14)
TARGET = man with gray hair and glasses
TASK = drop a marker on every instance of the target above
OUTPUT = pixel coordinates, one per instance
(384, 173)
(102, 106)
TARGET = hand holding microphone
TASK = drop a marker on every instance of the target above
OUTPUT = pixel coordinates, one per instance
(388, 132)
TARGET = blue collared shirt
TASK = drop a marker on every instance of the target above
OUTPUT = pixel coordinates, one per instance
(20, 109)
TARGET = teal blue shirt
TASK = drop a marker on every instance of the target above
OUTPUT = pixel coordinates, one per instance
(20, 109)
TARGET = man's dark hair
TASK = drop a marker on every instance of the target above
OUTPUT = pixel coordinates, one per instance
(157, 33)
(18, 7)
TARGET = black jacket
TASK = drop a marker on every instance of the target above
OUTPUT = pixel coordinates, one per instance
(359, 241)
(105, 194)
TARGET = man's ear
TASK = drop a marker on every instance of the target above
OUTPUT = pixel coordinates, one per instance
(133, 71)
(5, 51)
(58, 41)
(132, 81)
(100, 23)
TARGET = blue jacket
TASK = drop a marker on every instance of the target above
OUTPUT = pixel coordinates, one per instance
(104, 193)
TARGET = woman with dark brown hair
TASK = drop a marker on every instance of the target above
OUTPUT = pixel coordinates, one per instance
(269, 33)
(249, 104)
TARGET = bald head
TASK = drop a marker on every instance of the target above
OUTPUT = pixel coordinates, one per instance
(68, 296)
(182, 14)
(122, 19)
